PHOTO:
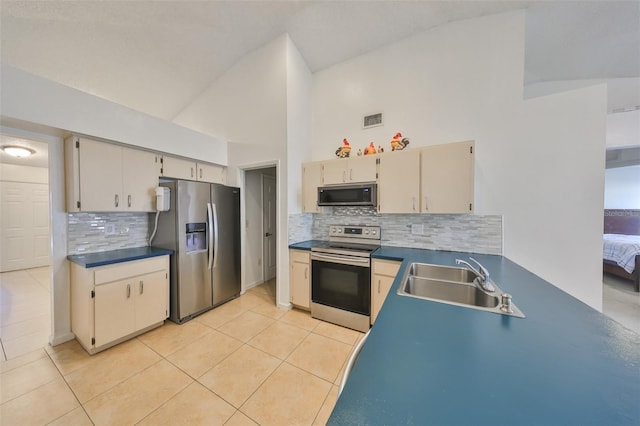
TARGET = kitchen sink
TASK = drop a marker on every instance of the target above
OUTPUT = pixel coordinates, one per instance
(440, 272)
(449, 291)
(454, 286)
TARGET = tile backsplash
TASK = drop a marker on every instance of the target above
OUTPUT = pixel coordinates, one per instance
(95, 232)
(466, 233)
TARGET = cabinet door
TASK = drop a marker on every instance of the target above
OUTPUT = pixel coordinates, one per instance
(211, 173)
(335, 171)
(140, 178)
(150, 299)
(399, 182)
(311, 180)
(380, 287)
(178, 168)
(448, 178)
(300, 279)
(363, 169)
(100, 176)
(114, 311)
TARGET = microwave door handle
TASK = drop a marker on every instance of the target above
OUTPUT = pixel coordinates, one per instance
(215, 231)
(210, 223)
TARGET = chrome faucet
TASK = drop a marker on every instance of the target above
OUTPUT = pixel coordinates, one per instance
(484, 280)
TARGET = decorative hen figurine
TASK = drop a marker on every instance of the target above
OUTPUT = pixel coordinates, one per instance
(371, 149)
(398, 142)
(345, 150)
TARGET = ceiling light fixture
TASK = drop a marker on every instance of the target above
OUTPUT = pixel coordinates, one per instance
(18, 151)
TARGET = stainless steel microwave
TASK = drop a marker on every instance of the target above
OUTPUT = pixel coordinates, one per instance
(359, 194)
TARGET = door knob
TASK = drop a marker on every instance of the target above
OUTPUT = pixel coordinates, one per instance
(268, 234)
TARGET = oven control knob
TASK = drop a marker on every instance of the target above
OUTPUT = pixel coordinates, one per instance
(333, 230)
(366, 232)
(374, 232)
(340, 231)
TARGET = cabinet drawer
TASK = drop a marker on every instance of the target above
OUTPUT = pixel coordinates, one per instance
(119, 271)
(299, 256)
(386, 267)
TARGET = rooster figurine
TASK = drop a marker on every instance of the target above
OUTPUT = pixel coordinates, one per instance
(371, 149)
(398, 142)
(345, 150)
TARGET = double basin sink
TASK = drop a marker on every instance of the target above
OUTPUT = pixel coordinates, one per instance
(454, 286)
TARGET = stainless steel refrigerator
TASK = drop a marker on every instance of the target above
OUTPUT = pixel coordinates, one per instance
(202, 227)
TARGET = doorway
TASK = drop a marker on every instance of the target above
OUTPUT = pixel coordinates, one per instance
(25, 272)
(261, 229)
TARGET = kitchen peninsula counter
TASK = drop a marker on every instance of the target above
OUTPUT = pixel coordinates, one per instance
(92, 260)
(431, 363)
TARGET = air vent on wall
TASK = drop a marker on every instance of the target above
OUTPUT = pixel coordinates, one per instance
(372, 120)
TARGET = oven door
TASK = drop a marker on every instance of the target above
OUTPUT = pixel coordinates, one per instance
(341, 282)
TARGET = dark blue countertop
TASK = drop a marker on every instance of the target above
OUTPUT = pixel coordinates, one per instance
(91, 260)
(431, 363)
(306, 245)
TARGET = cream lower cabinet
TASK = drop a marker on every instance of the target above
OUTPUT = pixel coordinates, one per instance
(300, 278)
(382, 275)
(113, 303)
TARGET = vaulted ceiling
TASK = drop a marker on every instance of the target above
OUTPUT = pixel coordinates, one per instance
(158, 56)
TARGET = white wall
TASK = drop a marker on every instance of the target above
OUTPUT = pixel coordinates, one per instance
(622, 188)
(253, 225)
(623, 129)
(247, 107)
(33, 99)
(464, 81)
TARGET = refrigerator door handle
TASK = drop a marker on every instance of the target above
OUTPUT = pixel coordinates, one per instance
(215, 230)
(210, 223)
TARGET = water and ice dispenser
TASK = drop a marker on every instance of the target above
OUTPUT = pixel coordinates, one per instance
(196, 237)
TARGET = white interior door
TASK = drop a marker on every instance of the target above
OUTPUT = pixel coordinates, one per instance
(269, 226)
(24, 225)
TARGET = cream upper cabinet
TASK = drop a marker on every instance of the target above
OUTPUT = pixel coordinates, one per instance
(300, 278)
(311, 180)
(399, 182)
(211, 173)
(179, 168)
(447, 178)
(140, 178)
(104, 177)
(382, 275)
(350, 170)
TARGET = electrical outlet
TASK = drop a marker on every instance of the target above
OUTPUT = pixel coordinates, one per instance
(109, 229)
(417, 228)
(124, 230)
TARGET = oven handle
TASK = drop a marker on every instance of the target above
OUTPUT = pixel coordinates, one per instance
(355, 261)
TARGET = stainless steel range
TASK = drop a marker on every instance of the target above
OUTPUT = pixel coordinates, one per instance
(341, 276)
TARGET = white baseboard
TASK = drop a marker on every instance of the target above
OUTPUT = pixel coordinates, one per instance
(253, 284)
(61, 338)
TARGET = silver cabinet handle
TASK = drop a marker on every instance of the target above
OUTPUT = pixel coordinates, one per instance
(414, 203)
(200, 172)
(117, 200)
(141, 286)
(344, 175)
(350, 174)
(192, 172)
(128, 291)
(378, 285)
(129, 200)
(426, 204)
(306, 270)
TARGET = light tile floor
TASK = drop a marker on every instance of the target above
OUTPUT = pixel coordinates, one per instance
(243, 363)
(25, 311)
